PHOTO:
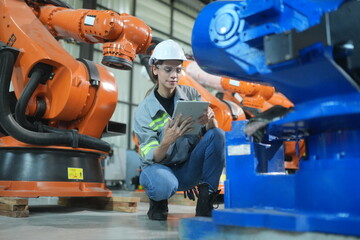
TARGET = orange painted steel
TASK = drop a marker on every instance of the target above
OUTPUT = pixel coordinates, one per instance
(123, 35)
(234, 97)
(294, 151)
(50, 188)
(247, 94)
(280, 99)
(221, 110)
(276, 99)
(293, 156)
(72, 102)
(35, 189)
(253, 94)
(10, 142)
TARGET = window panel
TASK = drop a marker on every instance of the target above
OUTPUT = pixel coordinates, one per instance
(165, 1)
(160, 35)
(183, 26)
(117, 141)
(191, 7)
(98, 46)
(71, 47)
(141, 83)
(75, 4)
(121, 113)
(186, 47)
(154, 13)
(119, 6)
(123, 82)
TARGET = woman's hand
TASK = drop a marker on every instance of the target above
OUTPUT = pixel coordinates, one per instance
(172, 131)
(209, 114)
(176, 128)
(208, 119)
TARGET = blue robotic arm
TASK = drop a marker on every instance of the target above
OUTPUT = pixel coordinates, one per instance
(309, 50)
(290, 44)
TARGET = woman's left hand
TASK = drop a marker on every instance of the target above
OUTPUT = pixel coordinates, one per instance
(209, 114)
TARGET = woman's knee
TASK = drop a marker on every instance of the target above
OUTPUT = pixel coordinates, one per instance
(159, 182)
(218, 144)
(161, 189)
(218, 135)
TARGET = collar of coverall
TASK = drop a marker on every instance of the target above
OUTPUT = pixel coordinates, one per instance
(154, 107)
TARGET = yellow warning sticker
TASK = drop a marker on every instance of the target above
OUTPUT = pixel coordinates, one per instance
(75, 173)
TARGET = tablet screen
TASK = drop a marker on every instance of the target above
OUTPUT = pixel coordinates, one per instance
(195, 109)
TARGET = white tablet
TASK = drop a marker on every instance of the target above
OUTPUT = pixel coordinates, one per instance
(195, 109)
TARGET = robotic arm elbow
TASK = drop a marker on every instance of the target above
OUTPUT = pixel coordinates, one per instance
(123, 35)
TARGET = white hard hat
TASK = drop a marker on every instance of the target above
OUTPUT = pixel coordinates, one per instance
(167, 50)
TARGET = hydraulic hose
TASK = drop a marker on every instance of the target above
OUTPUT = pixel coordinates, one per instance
(7, 121)
(24, 100)
(36, 78)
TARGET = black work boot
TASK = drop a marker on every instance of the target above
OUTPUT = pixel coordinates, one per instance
(204, 205)
(158, 210)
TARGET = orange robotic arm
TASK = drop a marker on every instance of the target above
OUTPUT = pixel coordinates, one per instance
(222, 112)
(253, 94)
(123, 35)
(50, 127)
(74, 94)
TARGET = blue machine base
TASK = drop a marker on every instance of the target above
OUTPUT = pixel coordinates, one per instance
(289, 220)
(237, 223)
(323, 196)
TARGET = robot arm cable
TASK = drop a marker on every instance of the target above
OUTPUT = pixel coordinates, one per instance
(22, 103)
(7, 60)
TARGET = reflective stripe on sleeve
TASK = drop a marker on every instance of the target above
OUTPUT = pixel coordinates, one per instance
(159, 122)
(160, 125)
(145, 149)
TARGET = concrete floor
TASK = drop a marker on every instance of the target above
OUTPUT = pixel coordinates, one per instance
(48, 221)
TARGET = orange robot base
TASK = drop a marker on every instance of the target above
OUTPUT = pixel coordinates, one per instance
(36, 189)
(37, 171)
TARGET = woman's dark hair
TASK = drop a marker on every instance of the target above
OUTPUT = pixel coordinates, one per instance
(154, 77)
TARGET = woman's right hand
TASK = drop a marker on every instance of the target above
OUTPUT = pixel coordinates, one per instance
(172, 131)
(175, 129)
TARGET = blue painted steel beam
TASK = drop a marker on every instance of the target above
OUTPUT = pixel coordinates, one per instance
(235, 31)
(232, 38)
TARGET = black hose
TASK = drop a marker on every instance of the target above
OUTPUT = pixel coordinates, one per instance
(84, 140)
(24, 100)
(68, 138)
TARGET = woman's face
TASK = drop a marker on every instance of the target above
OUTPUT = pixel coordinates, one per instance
(168, 73)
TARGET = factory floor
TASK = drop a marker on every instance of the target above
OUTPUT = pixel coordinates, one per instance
(49, 221)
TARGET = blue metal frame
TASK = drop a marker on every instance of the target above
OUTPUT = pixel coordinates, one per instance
(324, 195)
